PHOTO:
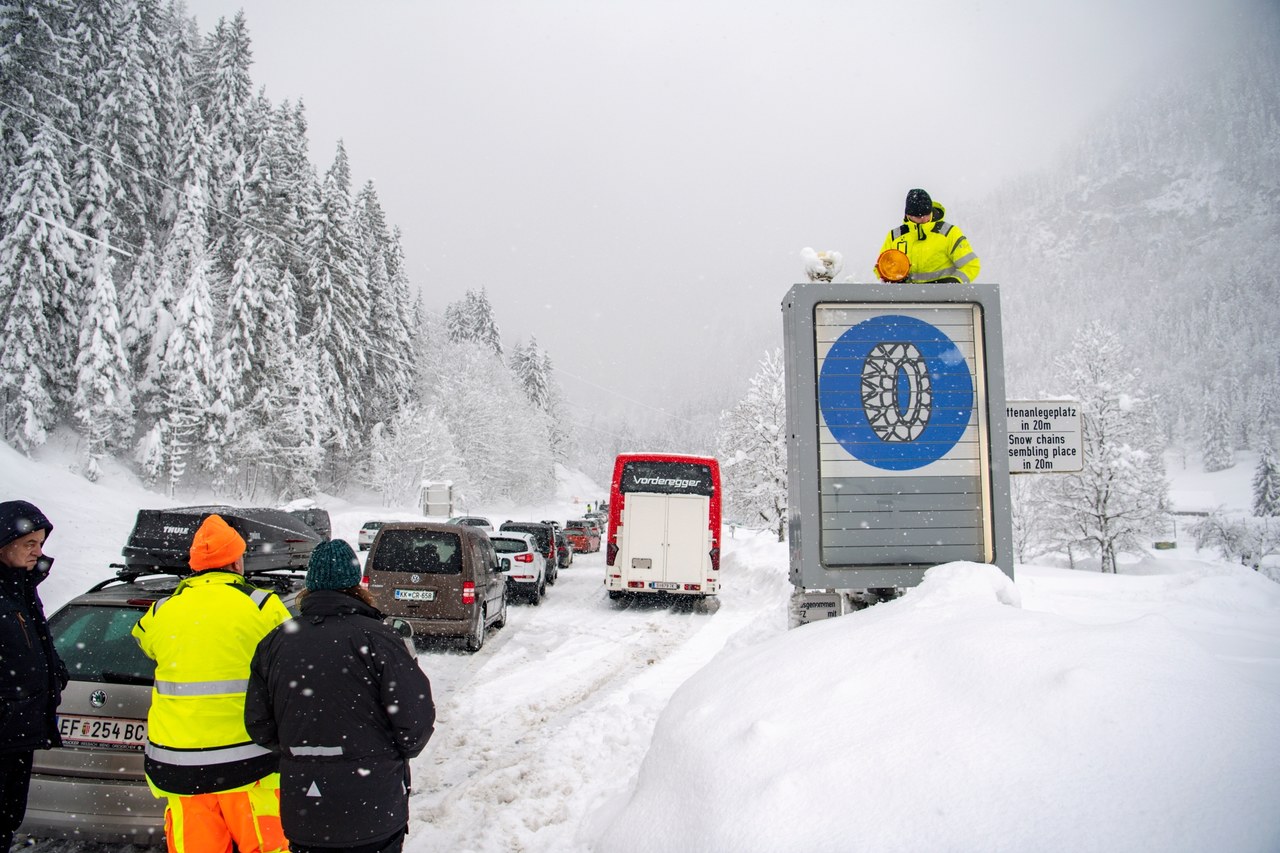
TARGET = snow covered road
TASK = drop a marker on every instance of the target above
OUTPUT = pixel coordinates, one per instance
(552, 717)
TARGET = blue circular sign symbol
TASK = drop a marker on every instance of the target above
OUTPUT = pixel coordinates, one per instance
(896, 392)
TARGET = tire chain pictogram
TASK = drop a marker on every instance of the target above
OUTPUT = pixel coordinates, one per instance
(887, 366)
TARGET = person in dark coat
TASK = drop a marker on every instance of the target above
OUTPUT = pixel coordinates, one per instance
(338, 694)
(32, 676)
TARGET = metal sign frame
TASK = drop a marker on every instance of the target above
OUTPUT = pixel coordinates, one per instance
(919, 358)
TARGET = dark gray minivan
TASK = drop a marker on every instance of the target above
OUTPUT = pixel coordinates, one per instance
(443, 579)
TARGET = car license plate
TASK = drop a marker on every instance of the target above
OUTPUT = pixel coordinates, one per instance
(102, 731)
(415, 595)
(663, 585)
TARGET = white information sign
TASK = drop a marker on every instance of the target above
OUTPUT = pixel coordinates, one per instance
(1044, 437)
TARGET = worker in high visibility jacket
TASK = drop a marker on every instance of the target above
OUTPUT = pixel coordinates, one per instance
(221, 786)
(937, 250)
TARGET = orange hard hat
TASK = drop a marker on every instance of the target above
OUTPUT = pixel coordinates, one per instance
(893, 265)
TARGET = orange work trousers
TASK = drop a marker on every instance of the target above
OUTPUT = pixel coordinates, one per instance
(209, 823)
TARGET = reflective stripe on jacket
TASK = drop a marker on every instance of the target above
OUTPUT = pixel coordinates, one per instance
(937, 250)
(202, 639)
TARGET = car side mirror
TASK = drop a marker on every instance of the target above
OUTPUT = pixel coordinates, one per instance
(400, 626)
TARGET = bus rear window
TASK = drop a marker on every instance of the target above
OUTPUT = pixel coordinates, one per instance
(668, 478)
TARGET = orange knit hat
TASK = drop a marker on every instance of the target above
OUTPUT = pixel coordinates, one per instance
(216, 545)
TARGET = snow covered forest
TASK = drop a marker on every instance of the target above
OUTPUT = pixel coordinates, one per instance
(1141, 278)
(183, 286)
(187, 290)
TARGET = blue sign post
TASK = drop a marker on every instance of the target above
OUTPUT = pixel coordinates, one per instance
(895, 395)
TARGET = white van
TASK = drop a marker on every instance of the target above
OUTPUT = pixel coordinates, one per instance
(664, 526)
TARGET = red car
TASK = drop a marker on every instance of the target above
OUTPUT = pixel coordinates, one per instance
(582, 535)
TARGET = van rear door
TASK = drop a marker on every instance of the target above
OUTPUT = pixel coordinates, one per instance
(687, 540)
(417, 573)
(644, 538)
(665, 540)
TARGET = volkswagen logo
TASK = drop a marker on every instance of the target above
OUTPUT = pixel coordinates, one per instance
(414, 578)
(98, 698)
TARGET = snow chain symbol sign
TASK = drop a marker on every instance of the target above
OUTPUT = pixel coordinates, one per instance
(891, 373)
(895, 405)
(914, 386)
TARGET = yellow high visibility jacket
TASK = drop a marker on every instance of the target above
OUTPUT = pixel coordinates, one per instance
(938, 251)
(202, 639)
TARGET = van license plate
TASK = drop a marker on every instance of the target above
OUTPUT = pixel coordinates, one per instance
(663, 585)
(415, 595)
(102, 731)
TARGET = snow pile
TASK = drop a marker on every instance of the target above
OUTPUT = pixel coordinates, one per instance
(955, 719)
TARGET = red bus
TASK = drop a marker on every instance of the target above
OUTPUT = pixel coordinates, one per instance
(664, 525)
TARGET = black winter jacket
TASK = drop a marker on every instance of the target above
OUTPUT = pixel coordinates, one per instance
(31, 673)
(346, 705)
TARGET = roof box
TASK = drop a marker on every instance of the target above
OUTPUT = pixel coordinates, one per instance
(274, 539)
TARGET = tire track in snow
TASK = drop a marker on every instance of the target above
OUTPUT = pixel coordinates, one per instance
(558, 722)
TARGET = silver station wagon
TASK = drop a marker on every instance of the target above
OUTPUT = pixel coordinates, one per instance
(93, 787)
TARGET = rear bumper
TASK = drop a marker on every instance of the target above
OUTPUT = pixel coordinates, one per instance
(440, 627)
(620, 585)
(117, 811)
(530, 581)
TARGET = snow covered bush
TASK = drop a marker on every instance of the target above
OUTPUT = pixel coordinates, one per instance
(1249, 539)
(1119, 499)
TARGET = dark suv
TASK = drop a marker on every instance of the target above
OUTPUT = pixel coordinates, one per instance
(92, 787)
(544, 535)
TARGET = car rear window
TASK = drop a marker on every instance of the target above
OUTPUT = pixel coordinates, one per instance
(429, 552)
(504, 545)
(371, 525)
(541, 533)
(96, 643)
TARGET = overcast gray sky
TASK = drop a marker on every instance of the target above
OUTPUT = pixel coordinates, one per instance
(632, 182)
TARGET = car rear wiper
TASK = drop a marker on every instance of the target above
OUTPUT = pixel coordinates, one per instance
(127, 678)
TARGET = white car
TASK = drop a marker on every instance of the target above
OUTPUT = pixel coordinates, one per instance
(472, 521)
(523, 564)
(368, 531)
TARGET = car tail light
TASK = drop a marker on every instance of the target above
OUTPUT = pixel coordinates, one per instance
(468, 592)
(524, 558)
(611, 553)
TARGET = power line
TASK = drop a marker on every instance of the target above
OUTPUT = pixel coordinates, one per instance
(79, 234)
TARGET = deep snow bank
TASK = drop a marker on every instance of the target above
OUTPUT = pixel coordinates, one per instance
(953, 718)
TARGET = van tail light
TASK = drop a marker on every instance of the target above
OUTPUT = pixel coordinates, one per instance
(715, 559)
(468, 592)
(611, 553)
(524, 558)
